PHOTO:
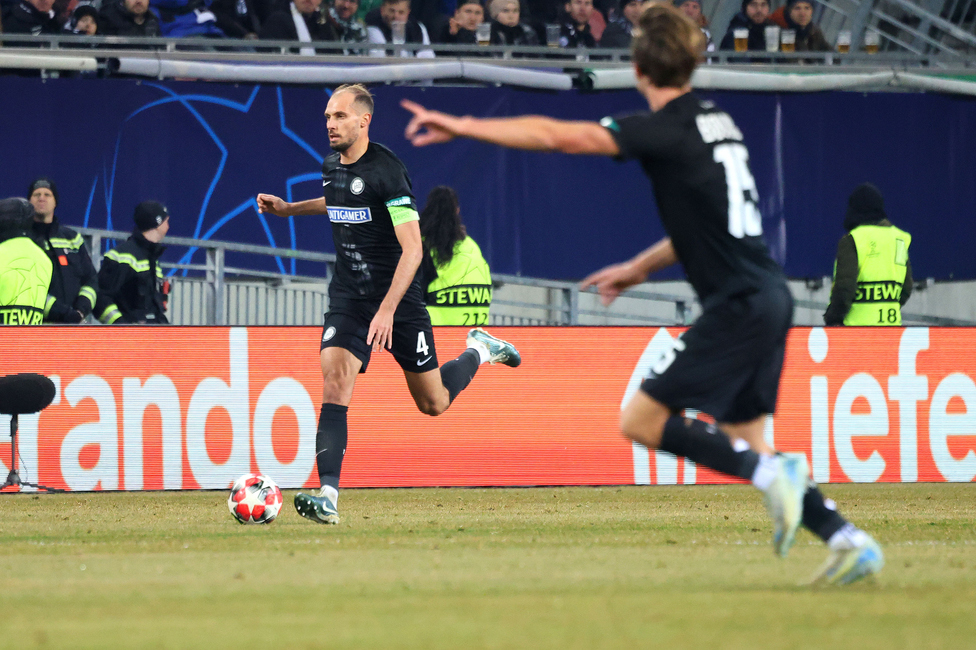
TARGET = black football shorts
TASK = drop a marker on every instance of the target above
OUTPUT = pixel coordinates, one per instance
(347, 325)
(728, 364)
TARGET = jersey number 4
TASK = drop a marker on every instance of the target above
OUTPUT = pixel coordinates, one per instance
(744, 217)
(422, 347)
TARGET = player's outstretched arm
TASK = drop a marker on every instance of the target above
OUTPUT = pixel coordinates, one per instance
(611, 281)
(272, 204)
(529, 132)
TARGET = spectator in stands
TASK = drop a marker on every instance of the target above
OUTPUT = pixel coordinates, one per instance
(25, 271)
(619, 32)
(461, 27)
(303, 21)
(62, 11)
(798, 16)
(539, 13)
(237, 18)
(348, 27)
(754, 17)
(506, 25)
(379, 26)
(183, 18)
(128, 18)
(693, 9)
(366, 7)
(872, 272)
(74, 281)
(455, 276)
(575, 27)
(131, 277)
(84, 21)
(31, 17)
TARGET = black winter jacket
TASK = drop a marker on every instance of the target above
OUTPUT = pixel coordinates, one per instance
(131, 278)
(520, 34)
(74, 281)
(115, 20)
(23, 18)
(757, 33)
(280, 26)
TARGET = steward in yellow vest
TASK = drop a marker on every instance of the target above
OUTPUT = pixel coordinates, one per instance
(872, 273)
(454, 274)
(25, 270)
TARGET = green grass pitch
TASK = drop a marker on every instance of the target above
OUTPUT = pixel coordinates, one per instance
(631, 567)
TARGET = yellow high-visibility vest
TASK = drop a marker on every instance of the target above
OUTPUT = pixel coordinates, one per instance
(882, 259)
(25, 276)
(461, 293)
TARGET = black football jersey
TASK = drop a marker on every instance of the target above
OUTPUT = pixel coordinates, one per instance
(706, 195)
(364, 200)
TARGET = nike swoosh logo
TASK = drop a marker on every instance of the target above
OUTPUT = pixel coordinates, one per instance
(420, 363)
(324, 183)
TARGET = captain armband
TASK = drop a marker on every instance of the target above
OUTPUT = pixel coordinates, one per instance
(402, 210)
(403, 214)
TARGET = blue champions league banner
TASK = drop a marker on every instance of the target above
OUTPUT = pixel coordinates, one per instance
(207, 149)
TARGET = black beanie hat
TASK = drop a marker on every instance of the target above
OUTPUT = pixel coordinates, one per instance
(44, 182)
(865, 205)
(85, 10)
(15, 214)
(150, 215)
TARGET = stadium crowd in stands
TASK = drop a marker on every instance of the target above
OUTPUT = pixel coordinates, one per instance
(570, 24)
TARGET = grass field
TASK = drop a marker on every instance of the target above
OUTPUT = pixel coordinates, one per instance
(675, 567)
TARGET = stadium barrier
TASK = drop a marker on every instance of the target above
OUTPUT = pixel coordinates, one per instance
(714, 78)
(196, 407)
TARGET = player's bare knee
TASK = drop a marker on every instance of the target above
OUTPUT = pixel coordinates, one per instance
(432, 406)
(637, 426)
(334, 387)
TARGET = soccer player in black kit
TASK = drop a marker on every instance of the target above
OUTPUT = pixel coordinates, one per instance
(375, 300)
(728, 363)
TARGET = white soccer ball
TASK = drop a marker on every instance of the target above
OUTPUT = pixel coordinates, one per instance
(254, 499)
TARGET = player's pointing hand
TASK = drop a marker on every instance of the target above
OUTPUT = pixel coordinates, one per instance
(612, 280)
(273, 205)
(429, 127)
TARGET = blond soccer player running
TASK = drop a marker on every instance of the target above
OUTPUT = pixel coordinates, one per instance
(728, 364)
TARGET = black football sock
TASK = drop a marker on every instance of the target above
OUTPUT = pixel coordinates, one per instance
(458, 373)
(820, 514)
(707, 445)
(330, 443)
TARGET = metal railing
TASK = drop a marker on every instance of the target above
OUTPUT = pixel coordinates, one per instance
(914, 37)
(213, 293)
(213, 273)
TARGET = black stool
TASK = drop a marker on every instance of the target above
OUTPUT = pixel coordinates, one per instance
(21, 394)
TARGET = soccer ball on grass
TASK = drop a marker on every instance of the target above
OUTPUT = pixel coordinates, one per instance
(254, 499)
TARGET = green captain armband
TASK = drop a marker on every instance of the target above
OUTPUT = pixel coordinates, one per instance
(402, 214)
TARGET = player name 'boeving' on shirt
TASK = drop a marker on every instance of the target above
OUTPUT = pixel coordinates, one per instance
(694, 155)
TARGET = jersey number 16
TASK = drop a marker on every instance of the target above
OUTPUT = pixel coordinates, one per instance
(744, 217)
